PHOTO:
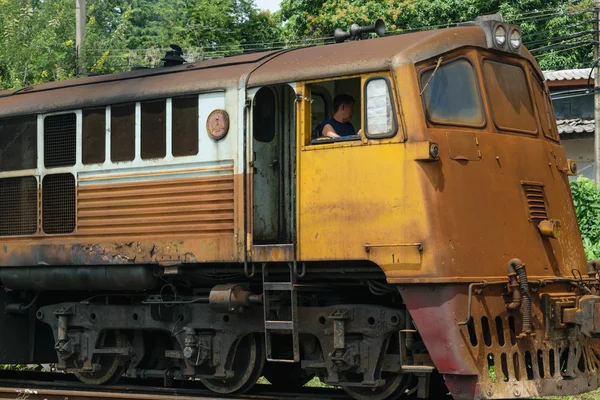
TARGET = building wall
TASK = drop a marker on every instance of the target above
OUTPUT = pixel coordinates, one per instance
(582, 151)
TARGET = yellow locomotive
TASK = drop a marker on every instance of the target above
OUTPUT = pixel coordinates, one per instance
(194, 222)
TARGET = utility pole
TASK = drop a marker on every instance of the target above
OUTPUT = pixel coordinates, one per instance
(80, 34)
(597, 90)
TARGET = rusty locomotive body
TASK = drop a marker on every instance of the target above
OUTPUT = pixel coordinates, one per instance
(188, 222)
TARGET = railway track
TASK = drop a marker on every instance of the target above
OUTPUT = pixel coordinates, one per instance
(52, 386)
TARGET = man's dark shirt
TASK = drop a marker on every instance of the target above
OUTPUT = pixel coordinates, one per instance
(342, 129)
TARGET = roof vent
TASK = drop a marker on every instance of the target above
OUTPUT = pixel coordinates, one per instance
(358, 32)
(173, 57)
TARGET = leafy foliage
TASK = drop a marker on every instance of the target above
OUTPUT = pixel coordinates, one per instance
(586, 197)
(37, 36)
(542, 21)
(36, 41)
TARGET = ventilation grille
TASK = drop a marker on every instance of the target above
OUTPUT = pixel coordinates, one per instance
(58, 203)
(536, 201)
(203, 207)
(18, 206)
(60, 140)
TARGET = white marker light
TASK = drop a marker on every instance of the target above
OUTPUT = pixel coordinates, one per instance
(515, 39)
(500, 35)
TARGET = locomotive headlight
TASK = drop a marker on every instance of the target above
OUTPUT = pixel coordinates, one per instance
(515, 39)
(500, 35)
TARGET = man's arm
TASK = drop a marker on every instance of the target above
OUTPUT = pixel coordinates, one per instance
(328, 131)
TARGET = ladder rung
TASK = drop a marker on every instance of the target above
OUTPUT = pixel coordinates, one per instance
(279, 325)
(278, 286)
(418, 368)
(282, 360)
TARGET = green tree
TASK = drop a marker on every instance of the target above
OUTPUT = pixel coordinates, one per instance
(37, 37)
(106, 36)
(225, 27)
(158, 23)
(36, 41)
(586, 198)
(544, 22)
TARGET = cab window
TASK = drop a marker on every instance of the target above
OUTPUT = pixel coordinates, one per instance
(380, 121)
(544, 108)
(451, 94)
(324, 98)
(509, 97)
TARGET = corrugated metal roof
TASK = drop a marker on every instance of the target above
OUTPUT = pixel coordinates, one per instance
(579, 125)
(568, 74)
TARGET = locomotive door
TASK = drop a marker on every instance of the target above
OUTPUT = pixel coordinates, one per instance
(272, 119)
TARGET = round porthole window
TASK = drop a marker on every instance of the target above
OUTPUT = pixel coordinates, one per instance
(217, 124)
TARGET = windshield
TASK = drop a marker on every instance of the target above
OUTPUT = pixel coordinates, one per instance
(451, 94)
(509, 97)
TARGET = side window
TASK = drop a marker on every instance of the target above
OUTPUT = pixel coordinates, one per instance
(154, 129)
(185, 126)
(451, 94)
(263, 115)
(18, 143)
(544, 107)
(122, 132)
(93, 136)
(380, 121)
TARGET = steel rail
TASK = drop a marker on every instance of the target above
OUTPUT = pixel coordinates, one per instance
(65, 390)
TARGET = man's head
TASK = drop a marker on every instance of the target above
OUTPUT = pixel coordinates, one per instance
(343, 106)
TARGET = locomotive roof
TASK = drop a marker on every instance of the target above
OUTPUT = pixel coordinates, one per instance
(264, 68)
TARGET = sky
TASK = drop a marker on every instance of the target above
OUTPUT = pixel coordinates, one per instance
(272, 5)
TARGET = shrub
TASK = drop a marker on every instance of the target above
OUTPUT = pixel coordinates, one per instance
(586, 197)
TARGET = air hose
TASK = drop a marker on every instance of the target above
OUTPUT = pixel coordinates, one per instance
(516, 266)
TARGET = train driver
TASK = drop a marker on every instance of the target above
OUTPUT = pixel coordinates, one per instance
(339, 125)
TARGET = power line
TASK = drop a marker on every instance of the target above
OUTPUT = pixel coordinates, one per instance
(564, 37)
(589, 21)
(250, 47)
(231, 46)
(241, 48)
(552, 15)
(560, 45)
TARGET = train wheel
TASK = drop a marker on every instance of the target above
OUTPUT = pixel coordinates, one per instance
(394, 387)
(247, 367)
(112, 366)
(286, 375)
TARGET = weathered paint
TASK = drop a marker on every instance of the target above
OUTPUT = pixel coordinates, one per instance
(186, 220)
(433, 226)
